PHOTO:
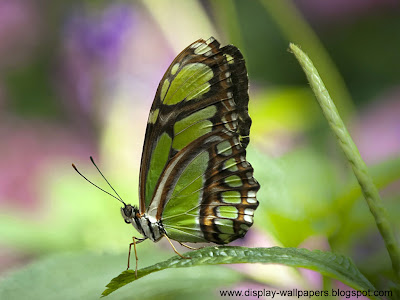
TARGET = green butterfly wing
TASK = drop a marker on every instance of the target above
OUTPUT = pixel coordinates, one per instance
(194, 175)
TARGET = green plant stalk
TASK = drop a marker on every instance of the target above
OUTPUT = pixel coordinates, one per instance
(359, 167)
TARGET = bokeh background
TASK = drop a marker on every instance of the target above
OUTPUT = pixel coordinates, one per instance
(77, 78)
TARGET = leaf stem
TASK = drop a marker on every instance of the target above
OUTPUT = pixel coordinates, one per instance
(359, 167)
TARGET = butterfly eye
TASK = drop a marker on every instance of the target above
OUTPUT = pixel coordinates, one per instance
(128, 211)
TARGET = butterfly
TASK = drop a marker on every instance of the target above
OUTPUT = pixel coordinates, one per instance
(195, 182)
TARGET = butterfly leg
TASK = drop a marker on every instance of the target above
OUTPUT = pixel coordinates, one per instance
(139, 240)
(173, 247)
(189, 247)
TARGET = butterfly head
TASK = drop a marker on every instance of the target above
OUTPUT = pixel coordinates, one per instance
(130, 213)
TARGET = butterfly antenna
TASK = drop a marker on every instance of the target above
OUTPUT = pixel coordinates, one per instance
(96, 185)
(91, 158)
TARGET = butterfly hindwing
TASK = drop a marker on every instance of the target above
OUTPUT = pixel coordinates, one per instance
(217, 202)
(194, 174)
(186, 78)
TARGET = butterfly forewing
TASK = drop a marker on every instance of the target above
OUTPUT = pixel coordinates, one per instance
(184, 80)
(194, 174)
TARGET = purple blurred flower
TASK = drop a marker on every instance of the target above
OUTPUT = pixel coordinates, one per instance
(314, 243)
(100, 37)
(93, 48)
(106, 59)
(377, 134)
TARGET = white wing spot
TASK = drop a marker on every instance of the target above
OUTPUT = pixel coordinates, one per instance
(248, 219)
(251, 200)
(250, 178)
(251, 194)
(245, 164)
(249, 211)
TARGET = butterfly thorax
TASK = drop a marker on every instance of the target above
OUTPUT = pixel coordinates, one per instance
(146, 225)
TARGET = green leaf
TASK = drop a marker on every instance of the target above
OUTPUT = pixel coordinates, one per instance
(327, 263)
(83, 275)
